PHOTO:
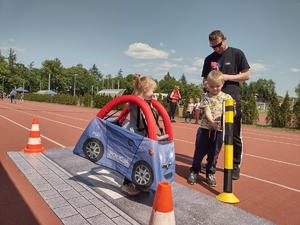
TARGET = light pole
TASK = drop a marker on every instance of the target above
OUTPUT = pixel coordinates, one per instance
(74, 84)
(49, 82)
(3, 83)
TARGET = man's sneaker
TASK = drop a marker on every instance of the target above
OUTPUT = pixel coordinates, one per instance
(236, 173)
(129, 189)
(192, 178)
(203, 168)
(210, 180)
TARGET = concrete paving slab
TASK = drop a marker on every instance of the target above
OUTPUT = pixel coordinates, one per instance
(76, 190)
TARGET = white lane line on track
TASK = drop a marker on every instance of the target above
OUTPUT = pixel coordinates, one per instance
(251, 177)
(273, 160)
(279, 142)
(270, 182)
(29, 130)
(51, 120)
(272, 136)
(19, 110)
(260, 139)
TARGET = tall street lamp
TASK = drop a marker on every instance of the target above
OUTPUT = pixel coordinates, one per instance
(49, 82)
(74, 84)
(3, 77)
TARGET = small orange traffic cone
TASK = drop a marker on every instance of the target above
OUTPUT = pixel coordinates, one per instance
(163, 209)
(34, 144)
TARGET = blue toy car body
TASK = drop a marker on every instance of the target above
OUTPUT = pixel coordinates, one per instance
(140, 159)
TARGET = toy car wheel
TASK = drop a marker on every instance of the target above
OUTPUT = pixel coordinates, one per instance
(93, 149)
(142, 174)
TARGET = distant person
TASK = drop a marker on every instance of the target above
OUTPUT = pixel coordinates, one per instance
(209, 138)
(144, 88)
(22, 97)
(189, 111)
(12, 96)
(175, 96)
(197, 110)
(233, 64)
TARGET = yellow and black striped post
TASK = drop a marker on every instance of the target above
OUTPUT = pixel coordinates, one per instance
(227, 195)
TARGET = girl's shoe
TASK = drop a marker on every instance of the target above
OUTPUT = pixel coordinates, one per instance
(129, 189)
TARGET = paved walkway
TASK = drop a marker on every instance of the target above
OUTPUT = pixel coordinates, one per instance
(76, 199)
(71, 200)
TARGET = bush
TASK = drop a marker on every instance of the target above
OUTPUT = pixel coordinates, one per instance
(296, 114)
(279, 115)
(250, 112)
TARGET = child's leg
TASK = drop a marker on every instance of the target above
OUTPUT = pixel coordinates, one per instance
(201, 146)
(191, 116)
(214, 151)
(197, 113)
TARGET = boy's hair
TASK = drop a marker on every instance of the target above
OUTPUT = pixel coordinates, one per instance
(215, 35)
(215, 75)
(139, 83)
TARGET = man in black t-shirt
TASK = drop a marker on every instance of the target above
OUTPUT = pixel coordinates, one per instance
(233, 64)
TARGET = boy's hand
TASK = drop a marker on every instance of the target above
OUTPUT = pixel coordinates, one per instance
(216, 124)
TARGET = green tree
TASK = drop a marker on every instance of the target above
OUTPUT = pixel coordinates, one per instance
(95, 72)
(297, 90)
(285, 113)
(273, 111)
(4, 72)
(250, 112)
(52, 75)
(296, 113)
(183, 80)
(263, 89)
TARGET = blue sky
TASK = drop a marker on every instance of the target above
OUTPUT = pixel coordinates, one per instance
(153, 37)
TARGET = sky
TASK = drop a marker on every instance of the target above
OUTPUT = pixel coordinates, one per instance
(153, 37)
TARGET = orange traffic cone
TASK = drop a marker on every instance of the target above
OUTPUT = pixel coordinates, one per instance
(163, 210)
(34, 142)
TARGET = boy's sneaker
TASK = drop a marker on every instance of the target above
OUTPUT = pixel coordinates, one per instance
(192, 178)
(203, 168)
(236, 173)
(210, 180)
(129, 189)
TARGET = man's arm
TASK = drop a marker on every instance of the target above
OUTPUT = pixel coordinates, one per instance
(243, 76)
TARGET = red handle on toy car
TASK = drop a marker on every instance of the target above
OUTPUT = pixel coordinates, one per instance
(140, 103)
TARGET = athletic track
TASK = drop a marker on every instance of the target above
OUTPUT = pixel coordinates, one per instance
(269, 186)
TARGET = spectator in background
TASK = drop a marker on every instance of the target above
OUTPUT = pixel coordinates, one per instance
(22, 97)
(12, 96)
(189, 111)
(197, 110)
(175, 96)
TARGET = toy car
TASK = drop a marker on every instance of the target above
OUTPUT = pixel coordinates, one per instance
(143, 160)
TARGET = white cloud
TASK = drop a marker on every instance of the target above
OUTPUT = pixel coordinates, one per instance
(178, 59)
(11, 40)
(144, 51)
(295, 70)
(256, 67)
(143, 65)
(17, 49)
(191, 70)
(198, 62)
(167, 65)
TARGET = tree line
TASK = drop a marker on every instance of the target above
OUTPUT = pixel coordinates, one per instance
(79, 81)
